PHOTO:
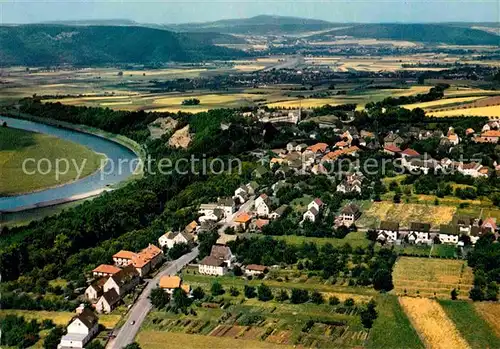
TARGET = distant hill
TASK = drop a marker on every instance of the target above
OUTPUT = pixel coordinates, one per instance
(430, 33)
(36, 45)
(86, 22)
(257, 25)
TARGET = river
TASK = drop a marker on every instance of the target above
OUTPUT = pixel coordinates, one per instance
(91, 185)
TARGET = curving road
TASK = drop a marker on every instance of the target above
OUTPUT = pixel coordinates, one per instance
(142, 306)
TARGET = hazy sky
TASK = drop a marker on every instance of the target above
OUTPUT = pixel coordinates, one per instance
(177, 11)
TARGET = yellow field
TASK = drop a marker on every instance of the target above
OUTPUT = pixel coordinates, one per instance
(59, 317)
(428, 277)
(492, 112)
(305, 103)
(430, 320)
(406, 213)
(441, 102)
(455, 91)
(159, 340)
(490, 311)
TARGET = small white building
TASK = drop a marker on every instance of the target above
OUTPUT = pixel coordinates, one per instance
(388, 232)
(82, 328)
(212, 266)
(255, 269)
(171, 238)
(107, 302)
(262, 205)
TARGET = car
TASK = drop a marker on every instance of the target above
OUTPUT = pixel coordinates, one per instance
(132, 322)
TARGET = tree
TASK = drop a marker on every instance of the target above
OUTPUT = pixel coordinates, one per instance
(371, 235)
(454, 294)
(249, 291)
(159, 298)
(233, 291)
(317, 298)
(476, 294)
(282, 296)
(333, 300)
(95, 344)
(382, 280)
(349, 302)
(205, 243)
(491, 292)
(178, 250)
(237, 270)
(299, 296)
(264, 293)
(216, 289)
(369, 314)
(53, 338)
(198, 293)
(181, 300)
(133, 345)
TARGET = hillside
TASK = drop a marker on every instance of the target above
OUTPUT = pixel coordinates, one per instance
(257, 25)
(430, 33)
(36, 45)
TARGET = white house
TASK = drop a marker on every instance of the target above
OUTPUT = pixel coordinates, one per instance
(255, 269)
(82, 328)
(124, 281)
(388, 231)
(262, 205)
(310, 215)
(95, 290)
(223, 253)
(316, 203)
(171, 238)
(419, 233)
(107, 302)
(349, 214)
(105, 270)
(241, 194)
(212, 266)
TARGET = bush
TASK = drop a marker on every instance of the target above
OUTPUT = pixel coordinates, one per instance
(317, 298)
(282, 296)
(299, 296)
(334, 300)
(349, 302)
(216, 289)
(249, 291)
(233, 291)
(264, 293)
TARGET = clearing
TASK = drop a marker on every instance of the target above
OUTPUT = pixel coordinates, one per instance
(429, 277)
(432, 323)
(17, 145)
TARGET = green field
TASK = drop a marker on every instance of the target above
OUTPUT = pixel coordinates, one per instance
(475, 330)
(18, 145)
(392, 329)
(355, 239)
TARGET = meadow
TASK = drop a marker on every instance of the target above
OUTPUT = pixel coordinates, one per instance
(430, 320)
(18, 145)
(355, 239)
(429, 277)
(471, 325)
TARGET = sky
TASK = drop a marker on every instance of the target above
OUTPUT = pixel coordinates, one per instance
(178, 11)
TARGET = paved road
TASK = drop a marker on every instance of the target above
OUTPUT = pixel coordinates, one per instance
(230, 220)
(142, 306)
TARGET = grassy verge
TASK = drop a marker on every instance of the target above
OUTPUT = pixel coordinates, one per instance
(476, 331)
(392, 329)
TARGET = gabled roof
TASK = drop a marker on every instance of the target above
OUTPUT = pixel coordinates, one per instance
(212, 261)
(449, 229)
(191, 226)
(123, 254)
(421, 227)
(389, 225)
(280, 210)
(313, 211)
(392, 148)
(318, 202)
(259, 223)
(221, 252)
(111, 296)
(98, 285)
(351, 209)
(125, 275)
(256, 267)
(150, 252)
(489, 222)
(106, 269)
(243, 217)
(318, 147)
(170, 281)
(410, 152)
(87, 317)
(491, 133)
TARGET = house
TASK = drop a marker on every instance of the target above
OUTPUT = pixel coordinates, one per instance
(316, 203)
(448, 234)
(469, 131)
(278, 212)
(227, 205)
(341, 144)
(152, 254)
(489, 224)
(105, 270)
(107, 302)
(212, 216)
(279, 152)
(241, 194)
(123, 258)
(491, 136)
(252, 187)
(301, 147)
(262, 205)
(95, 290)
(171, 238)
(291, 146)
(349, 214)
(124, 281)
(453, 138)
(391, 149)
(170, 283)
(352, 183)
(318, 148)
(472, 169)
(407, 155)
(419, 233)
(258, 224)
(310, 215)
(318, 169)
(82, 328)
(393, 139)
(243, 220)
(260, 172)
(191, 228)
(255, 269)
(223, 253)
(212, 266)
(388, 232)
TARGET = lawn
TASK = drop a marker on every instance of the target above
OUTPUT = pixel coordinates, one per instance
(406, 213)
(355, 239)
(392, 329)
(429, 277)
(432, 323)
(476, 331)
(59, 317)
(18, 145)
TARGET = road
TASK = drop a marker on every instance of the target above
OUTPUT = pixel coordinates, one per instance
(142, 306)
(229, 222)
